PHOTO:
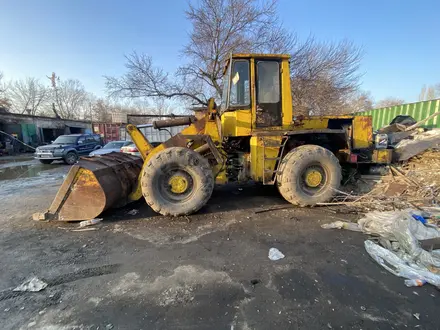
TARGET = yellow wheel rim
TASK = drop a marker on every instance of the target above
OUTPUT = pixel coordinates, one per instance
(178, 184)
(313, 178)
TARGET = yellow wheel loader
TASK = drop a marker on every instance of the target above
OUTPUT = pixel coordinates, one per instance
(252, 136)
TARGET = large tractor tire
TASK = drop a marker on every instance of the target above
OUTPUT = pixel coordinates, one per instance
(177, 181)
(309, 175)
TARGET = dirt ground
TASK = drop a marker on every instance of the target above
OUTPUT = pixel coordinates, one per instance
(206, 271)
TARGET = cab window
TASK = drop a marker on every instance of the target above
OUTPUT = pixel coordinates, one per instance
(240, 87)
(268, 90)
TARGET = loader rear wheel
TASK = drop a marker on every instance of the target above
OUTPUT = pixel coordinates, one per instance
(309, 175)
(177, 181)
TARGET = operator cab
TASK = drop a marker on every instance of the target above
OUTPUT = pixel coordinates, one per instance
(254, 82)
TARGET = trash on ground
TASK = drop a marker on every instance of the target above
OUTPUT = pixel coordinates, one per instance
(417, 316)
(32, 285)
(413, 180)
(85, 229)
(342, 225)
(90, 222)
(399, 266)
(410, 283)
(275, 254)
(133, 212)
(408, 148)
(401, 236)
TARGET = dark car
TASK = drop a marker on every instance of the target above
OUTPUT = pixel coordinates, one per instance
(68, 148)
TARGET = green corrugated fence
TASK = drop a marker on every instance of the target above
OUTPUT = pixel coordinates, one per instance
(418, 110)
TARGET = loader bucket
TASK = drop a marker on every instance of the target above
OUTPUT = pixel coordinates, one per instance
(94, 185)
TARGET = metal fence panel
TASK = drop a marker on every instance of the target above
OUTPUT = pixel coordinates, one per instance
(418, 110)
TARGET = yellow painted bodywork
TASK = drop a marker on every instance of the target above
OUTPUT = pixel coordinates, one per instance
(178, 184)
(286, 94)
(140, 141)
(204, 126)
(237, 123)
(313, 178)
(265, 142)
(382, 156)
(362, 132)
(261, 149)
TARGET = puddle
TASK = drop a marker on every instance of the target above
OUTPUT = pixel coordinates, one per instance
(23, 171)
(5, 160)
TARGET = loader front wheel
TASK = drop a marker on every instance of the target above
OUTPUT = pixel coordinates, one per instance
(177, 181)
(308, 175)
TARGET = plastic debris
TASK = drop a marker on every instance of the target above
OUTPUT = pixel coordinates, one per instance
(342, 225)
(419, 218)
(410, 283)
(275, 254)
(133, 212)
(398, 266)
(400, 236)
(90, 222)
(417, 316)
(32, 285)
(85, 229)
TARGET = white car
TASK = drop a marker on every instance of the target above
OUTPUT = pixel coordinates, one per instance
(131, 149)
(113, 146)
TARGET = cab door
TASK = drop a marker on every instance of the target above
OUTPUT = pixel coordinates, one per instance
(268, 93)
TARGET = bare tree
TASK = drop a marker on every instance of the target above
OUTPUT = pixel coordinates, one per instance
(219, 27)
(358, 102)
(5, 103)
(323, 75)
(2, 86)
(28, 96)
(69, 97)
(144, 80)
(429, 92)
(101, 110)
(389, 102)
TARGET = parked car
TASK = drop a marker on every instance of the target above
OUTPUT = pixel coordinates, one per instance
(131, 149)
(68, 148)
(113, 146)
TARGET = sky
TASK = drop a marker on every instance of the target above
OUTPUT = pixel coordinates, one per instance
(87, 39)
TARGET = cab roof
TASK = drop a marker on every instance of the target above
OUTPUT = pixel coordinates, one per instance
(260, 55)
